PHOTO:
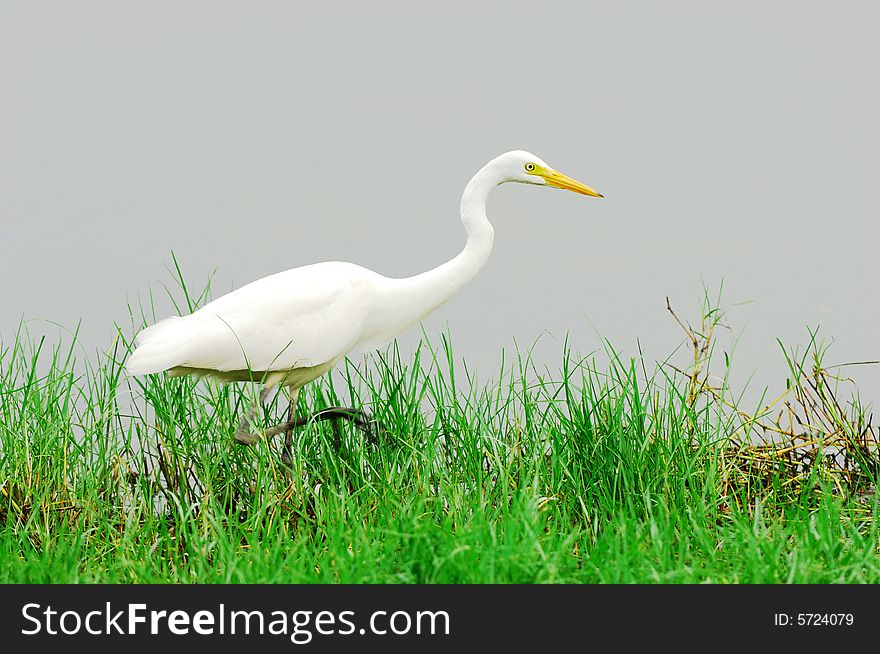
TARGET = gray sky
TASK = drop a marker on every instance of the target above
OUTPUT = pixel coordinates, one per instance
(735, 142)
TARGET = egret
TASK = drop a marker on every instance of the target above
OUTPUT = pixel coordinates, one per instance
(290, 328)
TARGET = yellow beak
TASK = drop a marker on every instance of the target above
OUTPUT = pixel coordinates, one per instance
(558, 180)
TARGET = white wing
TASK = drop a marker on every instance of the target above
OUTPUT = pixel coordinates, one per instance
(299, 318)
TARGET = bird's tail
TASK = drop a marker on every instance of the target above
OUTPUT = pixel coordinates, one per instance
(159, 347)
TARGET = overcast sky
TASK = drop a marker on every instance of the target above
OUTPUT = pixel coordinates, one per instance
(734, 141)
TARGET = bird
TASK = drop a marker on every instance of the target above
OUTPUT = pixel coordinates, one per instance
(289, 328)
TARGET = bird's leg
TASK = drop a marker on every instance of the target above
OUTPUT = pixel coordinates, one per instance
(287, 452)
(337, 434)
(360, 418)
(243, 434)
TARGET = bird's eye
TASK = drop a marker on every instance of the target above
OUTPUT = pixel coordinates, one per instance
(530, 167)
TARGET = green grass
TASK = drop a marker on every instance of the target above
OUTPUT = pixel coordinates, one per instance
(619, 472)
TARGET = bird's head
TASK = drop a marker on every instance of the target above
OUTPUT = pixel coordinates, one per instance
(525, 168)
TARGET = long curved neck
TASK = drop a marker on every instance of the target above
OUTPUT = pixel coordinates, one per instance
(421, 294)
(446, 280)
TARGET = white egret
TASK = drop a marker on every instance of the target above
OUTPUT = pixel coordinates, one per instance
(290, 328)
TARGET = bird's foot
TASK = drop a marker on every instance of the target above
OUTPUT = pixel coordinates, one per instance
(367, 425)
(287, 458)
(362, 420)
(246, 438)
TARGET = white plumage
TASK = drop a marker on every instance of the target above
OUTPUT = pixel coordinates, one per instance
(291, 327)
(299, 318)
